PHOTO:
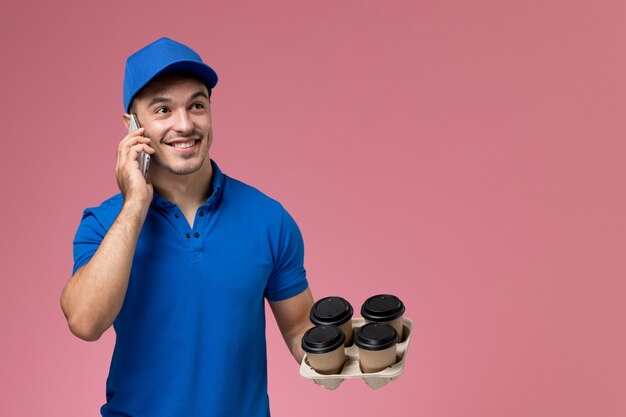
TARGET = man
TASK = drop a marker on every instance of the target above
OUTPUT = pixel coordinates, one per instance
(180, 264)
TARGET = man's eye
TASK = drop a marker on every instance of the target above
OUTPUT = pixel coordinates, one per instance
(161, 110)
(197, 106)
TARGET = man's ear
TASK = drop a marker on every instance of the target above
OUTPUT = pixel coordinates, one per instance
(126, 119)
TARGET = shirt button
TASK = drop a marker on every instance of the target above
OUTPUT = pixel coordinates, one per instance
(187, 234)
(176, 215)
(201, 213)
(196, 234)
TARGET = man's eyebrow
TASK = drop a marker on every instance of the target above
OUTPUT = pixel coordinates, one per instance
(156, 100)
(199, 93)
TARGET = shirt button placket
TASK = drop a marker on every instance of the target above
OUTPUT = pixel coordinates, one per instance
(198, 226)
(183, 226)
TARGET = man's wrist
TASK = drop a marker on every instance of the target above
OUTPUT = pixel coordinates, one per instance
(134, 210)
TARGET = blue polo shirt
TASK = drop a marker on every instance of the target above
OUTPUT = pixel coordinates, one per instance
(190, 337)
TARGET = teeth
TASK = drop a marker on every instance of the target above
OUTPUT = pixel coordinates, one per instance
(184, 145)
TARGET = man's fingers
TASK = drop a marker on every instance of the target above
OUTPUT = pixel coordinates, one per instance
(128, 151)
(131, 138)
(136, 132)
(124, 147)
(133, 151)
(142, 147)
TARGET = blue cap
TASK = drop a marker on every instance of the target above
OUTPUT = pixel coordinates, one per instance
(160, 57)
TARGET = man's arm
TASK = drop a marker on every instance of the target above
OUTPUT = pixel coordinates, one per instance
(93, 297)
(292, 316)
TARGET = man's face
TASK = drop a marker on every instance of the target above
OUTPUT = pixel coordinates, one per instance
(175, 112)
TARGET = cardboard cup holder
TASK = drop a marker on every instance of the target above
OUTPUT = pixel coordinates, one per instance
(352, 369)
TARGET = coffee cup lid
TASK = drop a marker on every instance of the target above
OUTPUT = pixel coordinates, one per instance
(382, 307)
(331, 310)
(376, 336)
(322, 339)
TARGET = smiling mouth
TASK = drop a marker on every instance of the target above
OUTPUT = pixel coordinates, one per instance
(184, 145)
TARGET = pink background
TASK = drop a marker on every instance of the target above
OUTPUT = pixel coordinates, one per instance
(465, 155)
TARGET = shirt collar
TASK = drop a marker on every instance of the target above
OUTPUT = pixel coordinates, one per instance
(218, 184)
(218, 180)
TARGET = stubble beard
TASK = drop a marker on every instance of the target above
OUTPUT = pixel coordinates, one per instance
(187, 170)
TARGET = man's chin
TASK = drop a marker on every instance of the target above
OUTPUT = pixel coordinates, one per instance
(186, 170)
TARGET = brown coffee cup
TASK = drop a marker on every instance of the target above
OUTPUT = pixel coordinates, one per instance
(377, 346)
(324, 346)
(334, 311)
(384, 308)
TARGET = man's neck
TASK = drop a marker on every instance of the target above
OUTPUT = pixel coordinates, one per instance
(186, 191)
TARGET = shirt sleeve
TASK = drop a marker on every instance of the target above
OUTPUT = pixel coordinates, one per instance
(88, 237)
(288, 277)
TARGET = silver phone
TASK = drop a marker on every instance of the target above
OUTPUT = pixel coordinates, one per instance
(144, 158)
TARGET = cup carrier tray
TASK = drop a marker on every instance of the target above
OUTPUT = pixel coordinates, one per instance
(352, 369)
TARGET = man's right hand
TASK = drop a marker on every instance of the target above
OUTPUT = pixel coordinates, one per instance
(129, 177)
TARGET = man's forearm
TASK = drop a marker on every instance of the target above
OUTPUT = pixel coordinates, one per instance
(292, 316)
(296, 343)
(93, 297)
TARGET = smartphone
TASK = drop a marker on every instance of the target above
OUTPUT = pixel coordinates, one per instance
(144, 158)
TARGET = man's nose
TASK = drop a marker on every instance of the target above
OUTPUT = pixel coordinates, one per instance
(182, 122)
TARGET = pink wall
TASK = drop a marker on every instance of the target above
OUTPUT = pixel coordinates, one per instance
(465, 155)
